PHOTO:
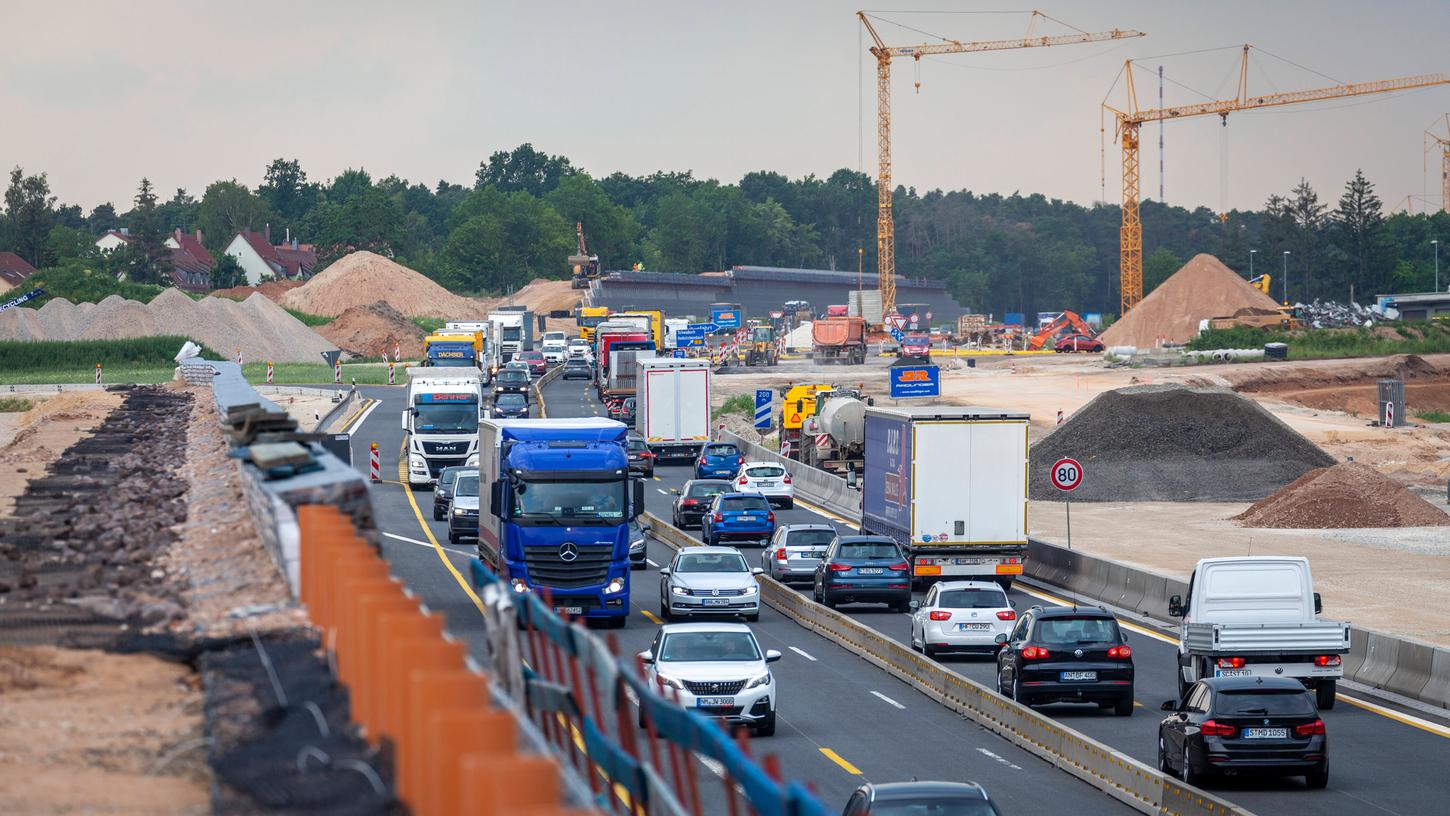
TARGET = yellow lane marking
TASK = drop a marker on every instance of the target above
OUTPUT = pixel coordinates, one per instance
(651, 617)
(656, 478)
(442, 553)
(362, 407)
(1142, 630)
(836, 758)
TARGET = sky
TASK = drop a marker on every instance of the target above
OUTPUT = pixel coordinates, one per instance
(99, 94)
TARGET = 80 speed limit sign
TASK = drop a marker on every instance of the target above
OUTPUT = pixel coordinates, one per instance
(1066, 474)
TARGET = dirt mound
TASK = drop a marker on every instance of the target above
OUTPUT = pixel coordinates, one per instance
(272, 290)
(1203, 288)
(373, 330)
(1350, 386)
(365, 277)
(542, 296)
(1349, 494)
(1170, 443)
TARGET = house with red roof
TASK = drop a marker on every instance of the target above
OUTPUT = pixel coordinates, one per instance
(191, 263)
(13, 270)
(260, 259)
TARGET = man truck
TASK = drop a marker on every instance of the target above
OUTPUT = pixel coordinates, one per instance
(440, 422)
(949, 485)
(560, 502)
(672, 405)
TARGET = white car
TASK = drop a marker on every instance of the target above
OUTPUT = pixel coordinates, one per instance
(717, 669)
(555, 351)
(961, 616)
(796, 550)
(769, 480)
(579, 348)
(709, 581)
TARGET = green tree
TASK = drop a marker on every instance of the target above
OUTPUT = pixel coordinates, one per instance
(348, 184)
(150, 257)
(504, 240)
(180, 213)
(102, 218)
(368, 219)
(612, 231)
(1359, 224)
(227, 273)
(286, 190)
(523, 169)
(65, 243)
(228, 208)
(29, 215)
(1158, 267)
(1306, 219)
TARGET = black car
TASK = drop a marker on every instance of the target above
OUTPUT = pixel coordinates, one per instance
(641, 458)
(627, 411)
(920, 799)
(511, 380)
(510, 405)
(863, 569)
(692, 500)
(1244, 725)
(443, 490)
(1067, 655)
(638, 555)
(577, 368)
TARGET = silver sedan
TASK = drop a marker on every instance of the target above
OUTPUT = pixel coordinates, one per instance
(709, 581)
(795, 550)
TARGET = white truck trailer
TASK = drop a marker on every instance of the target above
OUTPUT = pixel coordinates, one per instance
(949, 484)
(672, 404)
(440, 421)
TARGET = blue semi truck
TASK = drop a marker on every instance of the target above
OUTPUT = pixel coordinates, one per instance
(560, 500)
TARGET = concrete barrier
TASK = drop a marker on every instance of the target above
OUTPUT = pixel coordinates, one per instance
(1413, 666)
(1439, 686)
(811, 484)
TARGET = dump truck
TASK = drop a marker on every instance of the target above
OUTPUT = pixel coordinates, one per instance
(839, 339)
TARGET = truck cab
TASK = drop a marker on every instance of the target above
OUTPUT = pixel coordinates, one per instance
(451, 350)
(440, 422)
(513, 331)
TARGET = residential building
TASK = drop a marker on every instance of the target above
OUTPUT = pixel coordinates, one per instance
(191, 264)
(260, 259)
(13, 270)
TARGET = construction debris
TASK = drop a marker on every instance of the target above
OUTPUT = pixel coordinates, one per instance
(1332, 315)
(1348, 495)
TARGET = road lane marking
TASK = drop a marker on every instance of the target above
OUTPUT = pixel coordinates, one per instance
(360, 415)
(656, 478)
(651, 562)
(802, 653)
(1006, 762)
(821, 511)
(662, 491)
(656, 621)
(442, 553)
(409, 540)
(836, 758)
(881, 696)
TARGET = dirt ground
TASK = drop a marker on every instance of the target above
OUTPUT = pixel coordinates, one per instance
(38, 436)
(306, 410)
(85, 731)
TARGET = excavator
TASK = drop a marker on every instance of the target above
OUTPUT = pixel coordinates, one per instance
(583, 266)
(1063, 323)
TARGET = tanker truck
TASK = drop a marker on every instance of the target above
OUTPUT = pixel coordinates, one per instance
(834, 437)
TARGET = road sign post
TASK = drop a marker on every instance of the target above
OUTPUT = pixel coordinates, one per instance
(1066, 475)
(764, 397)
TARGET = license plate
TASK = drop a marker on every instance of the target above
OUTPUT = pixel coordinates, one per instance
(969, 562)
(1266, 733)
(714, 702)
(1079, 675)
(767, 484)
(716, 602)
(745, 518)
(816, 554)
(870, 570)
(1232, 673)
(973, 627)
(568, 610)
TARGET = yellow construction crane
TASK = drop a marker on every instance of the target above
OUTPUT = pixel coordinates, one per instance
(885, 227)
(1434, 140)
(1131, 118)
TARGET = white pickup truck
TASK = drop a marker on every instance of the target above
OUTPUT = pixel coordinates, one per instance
(1256, 615)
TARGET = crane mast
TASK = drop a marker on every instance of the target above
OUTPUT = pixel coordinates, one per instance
(1443, 143)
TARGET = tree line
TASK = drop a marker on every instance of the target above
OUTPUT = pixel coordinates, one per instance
(515, 222)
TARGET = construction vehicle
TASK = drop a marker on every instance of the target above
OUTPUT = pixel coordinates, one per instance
(583, 267)
(760, 347)
(797, 404)
(839, 339)
(1065, 323)
(834, 437)
(1262, 282)
(588, 317)
(1284, 318)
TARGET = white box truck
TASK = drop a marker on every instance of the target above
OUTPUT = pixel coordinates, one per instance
(1257, 615)
(672, 405)
(949, 484)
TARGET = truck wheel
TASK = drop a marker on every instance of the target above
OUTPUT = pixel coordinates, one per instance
(1005, 583)
(1324, 696)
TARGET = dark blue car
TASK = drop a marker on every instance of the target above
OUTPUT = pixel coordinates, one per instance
(738, 517)
(718, 460)
(863, 569)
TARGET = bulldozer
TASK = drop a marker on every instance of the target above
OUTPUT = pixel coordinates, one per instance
(761, 350)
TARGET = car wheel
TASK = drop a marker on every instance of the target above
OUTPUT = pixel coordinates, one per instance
(1163, 766)
(665, 614)
(452, 538)
(616, 622)
(928, 650)
(1317, 779)
(1186, 772)
(642, 726)
(1017, 691)
(1124, 707)
(438, 515)
(766, 726)
(1000, 689)
(753, 618)
(1324, 694)
(828, 600)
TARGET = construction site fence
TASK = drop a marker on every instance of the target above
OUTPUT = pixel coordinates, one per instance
(639, 749)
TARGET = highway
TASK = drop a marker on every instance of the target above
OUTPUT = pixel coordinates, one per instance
(834, 707)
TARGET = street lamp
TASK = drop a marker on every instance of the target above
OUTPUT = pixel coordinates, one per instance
(1436, 243)
(1286, 277)
(1252, 252)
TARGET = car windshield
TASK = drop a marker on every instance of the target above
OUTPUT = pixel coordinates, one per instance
(692, 647)
(1071, 631)
(711, 562)
(447, 477)
(451, 362)
(744, 503)
(557, 502)
(532, 355)
(933, 806)
(764, 472)
(510, 400)
(809, 538)
(1247, 702)
(722, 450)
(869, 549)
(446, 418)
(512, 375)
(972, 599)
(704, 491)
(467, 485)
(637, 445)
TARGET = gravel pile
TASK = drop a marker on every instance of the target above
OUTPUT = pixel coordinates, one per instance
(1171, 443)
(373, 330)
(1350, 494)
(260, 328)
(1203, 288)
(365, 277)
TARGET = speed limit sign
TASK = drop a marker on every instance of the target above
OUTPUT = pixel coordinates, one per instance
(1066, 474)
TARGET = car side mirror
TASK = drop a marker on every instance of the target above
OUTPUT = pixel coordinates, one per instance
(664, 570)
(914, 605)
(1175, 606)
(405, 418)
(647, 656)
(1000, 639)
(757, 571)
(771, 655)
(1169, 705)
(1318, 604)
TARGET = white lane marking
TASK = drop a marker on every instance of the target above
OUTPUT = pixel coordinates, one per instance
(985, 752)
(802, 653)
(888, 700)
(365, 414)
(821, 511)
(651, 562)
(662, 492)
(409, 540)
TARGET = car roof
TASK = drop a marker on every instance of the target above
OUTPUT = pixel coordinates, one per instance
(671, 628)
(739, 495)
(753, 462)
(718, 444)
(1263, 683)
(1072, 612)
(945, 585)
(694, 482)
(887, 791)
(706, 550)
(865, 539)
(791, 528)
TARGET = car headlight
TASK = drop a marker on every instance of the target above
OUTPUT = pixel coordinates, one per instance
(459, 511)
(670, 681)
(758, 680)
(615, 586)
(637, 544)
(472, 460)
(518, 585)
(750, 590)
(679, 590)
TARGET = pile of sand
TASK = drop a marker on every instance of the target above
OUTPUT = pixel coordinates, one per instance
(375, 330)
(541, 297)
(1350, 494)
(260, 328)
(273, 290)
(1170, 443)
(365, 277)
(1203, 288)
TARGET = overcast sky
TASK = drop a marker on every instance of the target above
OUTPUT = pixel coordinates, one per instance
(99, 94)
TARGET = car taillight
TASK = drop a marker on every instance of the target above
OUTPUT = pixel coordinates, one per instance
(780, 554)
(689, 502)
(1121, 652)
(1230, 662)
(702, 460)
(719, 518)
(787, 478)
(1327, 660)
(940, 616)
(740, 460)
(840, 567)
(1034, 653)
(1007, 614)
(1309, 729)
(899, 566)
(1209, 728)
(770, 517)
